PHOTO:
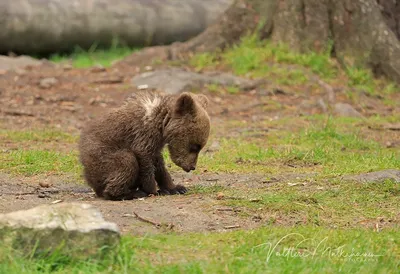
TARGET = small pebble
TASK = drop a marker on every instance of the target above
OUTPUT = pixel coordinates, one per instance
(46, 83)
(44, 184)
(98, 68)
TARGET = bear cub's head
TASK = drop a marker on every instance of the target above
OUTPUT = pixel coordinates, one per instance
(188, 130)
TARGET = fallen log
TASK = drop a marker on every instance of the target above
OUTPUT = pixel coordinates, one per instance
(46, 26)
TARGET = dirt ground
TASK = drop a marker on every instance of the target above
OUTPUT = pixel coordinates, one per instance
(63, 97)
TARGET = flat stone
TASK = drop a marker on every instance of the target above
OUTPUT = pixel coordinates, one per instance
(175, 81)
(14, 63)
(346, 110)
(76, 230)
(377, 176)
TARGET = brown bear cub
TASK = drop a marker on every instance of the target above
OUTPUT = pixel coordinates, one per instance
(121, 152)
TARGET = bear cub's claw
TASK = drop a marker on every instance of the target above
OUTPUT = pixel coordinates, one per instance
(179, 189)
(163, 192)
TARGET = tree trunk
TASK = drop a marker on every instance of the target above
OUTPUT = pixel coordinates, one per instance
(390, 10)
(355, 30)
(48, 26)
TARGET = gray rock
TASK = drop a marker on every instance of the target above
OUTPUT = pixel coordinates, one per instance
(343, 109)
(214, 147)
(377, 176)
(74, 229)
(13, 63)
(175, 81)
(321, 103)
(48, 82)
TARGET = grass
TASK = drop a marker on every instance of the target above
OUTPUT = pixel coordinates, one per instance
(323, 147)
(327, 158)
(266, 250)
(253, 56)
(331, 203)
(218, 89)
(34, 158)
(44, 135)
(278, 63)
(33, 162)
(329, 147)
(94, 56)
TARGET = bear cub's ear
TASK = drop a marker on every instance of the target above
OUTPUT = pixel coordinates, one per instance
(203, 100)
(185, 104)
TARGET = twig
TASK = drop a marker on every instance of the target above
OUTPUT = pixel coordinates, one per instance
(110, 80)
(392, 126)
(231, 226)
(234, 198)
(251, 106)
(20, 194)
(17, 113)
(224, 209)
(252, 84)
(147, 220)
(297, 203)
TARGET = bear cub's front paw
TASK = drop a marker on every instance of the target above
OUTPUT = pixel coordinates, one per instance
(179, 189)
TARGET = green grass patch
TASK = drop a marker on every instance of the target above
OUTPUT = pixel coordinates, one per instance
(32, 162)
(34, 159)
(330, 147)
(232, 89)
(326, 150)
(94, 56)
(265, 250)
(44, 135)
(218, 89)
(364, 80)
(332, 203)
(339, 152)
(255, 58)
(203, 60)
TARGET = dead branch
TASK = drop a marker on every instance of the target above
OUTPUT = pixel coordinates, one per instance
(156, 224)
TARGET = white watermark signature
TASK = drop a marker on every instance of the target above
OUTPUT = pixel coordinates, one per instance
(311, 248)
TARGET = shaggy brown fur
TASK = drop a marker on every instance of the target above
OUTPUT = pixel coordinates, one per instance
(121, 152)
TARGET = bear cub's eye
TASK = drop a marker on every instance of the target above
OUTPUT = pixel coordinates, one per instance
(195, 148)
